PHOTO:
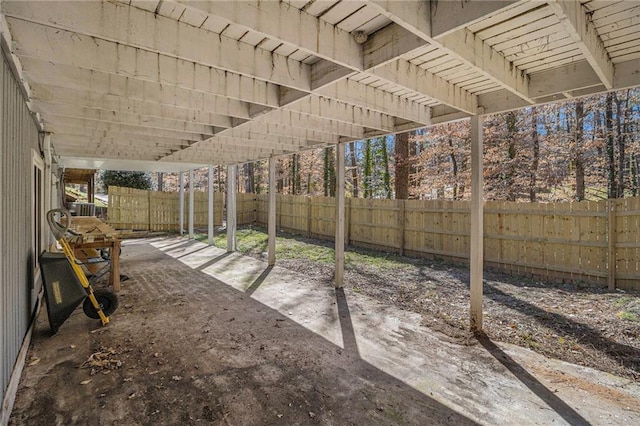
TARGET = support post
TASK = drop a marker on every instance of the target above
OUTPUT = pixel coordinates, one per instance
(611, 243)
(271, 221)
(191, 203)
(231, 208)
(476, 240)
(91, 190)
(210, 209)
(340, 194)
(181, 207)
(48, 186)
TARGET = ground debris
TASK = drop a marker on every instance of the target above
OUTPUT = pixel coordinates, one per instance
(103, 359)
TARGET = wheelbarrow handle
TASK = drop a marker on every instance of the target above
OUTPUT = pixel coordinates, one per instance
(57, 229)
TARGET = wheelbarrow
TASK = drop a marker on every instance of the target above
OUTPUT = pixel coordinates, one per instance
(65, 283)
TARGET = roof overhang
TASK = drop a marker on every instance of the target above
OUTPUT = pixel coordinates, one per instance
(170, 85)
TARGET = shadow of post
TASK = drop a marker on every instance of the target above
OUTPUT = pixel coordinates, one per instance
(258, 281)
(551, 399)
(214, 260)
(346, 325)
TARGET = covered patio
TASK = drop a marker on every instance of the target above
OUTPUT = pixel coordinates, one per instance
(166, 85)
(198, 339)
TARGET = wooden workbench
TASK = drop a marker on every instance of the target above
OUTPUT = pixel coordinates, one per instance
(95, 234)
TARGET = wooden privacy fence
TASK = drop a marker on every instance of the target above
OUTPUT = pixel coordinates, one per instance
(136, 209)
(595, 242)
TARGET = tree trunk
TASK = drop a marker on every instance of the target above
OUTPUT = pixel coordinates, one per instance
(621, 131)
(160, 181)
(611, 178)
(512, 152)
(295, 174)
(221, 186)
(454, 166)
(368, 166)
(354, 168)
(402, 166)
(535, 140)
(249, 186)
(386, 179)
(579, 160)
(329, 173)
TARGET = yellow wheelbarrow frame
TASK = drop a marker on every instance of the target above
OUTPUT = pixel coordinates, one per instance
(59, 232)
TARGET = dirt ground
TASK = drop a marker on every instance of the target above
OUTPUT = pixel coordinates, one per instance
(580, 324)
(206, 337)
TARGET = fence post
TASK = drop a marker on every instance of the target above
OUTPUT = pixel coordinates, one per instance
(611, 243)
(401, 224)
(348, 221)
(149, 211)
(308, 217)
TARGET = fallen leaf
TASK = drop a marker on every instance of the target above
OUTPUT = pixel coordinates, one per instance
(34, 362)
(85, 382)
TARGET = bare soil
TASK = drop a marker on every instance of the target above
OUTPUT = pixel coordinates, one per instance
(185, 347)
(577, 323)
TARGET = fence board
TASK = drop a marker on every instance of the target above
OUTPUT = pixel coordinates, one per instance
(158, 211)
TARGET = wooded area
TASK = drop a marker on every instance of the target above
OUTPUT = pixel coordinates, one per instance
(574, 150)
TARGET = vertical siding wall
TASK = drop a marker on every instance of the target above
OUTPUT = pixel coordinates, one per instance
(18, 134)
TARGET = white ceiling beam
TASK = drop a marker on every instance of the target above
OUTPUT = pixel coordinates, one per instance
(388, 44)
(583, 32)
(279, 21)
(119, 104)
(121, 139)
(100, 153)
(415, 16)
(58, 123)
(474, 52)
(323, 73)
(449, 16)
(298, 120)
(578, 75)
(193, 105)
(340, 111)
(121, 118)
(274, 144)
(123, 32)
(265, 130)
(139, 165)
(364, 96)
(198, 155)
(221, 144)
(202, 158)
(414, 78)
(175, 82)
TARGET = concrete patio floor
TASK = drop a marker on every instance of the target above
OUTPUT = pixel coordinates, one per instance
(204, 336)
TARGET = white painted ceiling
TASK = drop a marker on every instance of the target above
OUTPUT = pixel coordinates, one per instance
(170, 85)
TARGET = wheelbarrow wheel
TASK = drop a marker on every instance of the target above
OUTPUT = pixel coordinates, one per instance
(107, 300)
